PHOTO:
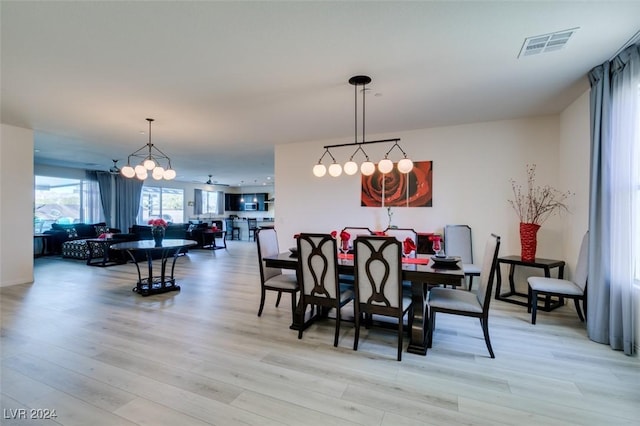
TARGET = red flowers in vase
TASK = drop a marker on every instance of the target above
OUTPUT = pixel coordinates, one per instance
(436, 243)
(344, 240)
(408, 246)
(158, 222)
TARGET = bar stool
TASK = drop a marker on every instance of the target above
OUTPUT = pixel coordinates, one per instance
(253, 227)
(233, 232)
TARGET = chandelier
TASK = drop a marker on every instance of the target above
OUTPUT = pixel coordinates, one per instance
(151, 162)
(367, 168)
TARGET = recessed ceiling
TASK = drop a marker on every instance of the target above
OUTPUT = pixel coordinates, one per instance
(226, 81)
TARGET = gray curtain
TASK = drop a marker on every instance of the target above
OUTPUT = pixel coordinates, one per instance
(609, 299)
(106, 194)
(220, 203)
(128, 193)
(197, 204)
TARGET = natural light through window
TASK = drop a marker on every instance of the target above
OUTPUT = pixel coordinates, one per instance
(165, 203)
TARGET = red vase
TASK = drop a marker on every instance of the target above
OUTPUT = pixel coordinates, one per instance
(528, 241)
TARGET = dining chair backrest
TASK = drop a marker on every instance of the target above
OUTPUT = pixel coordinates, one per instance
(582, 265)
(401, 234)
(355, 231)
(489, 264)
(318, 265)
(228, 223)
(267, 242)
(378, 271)
(457, 242)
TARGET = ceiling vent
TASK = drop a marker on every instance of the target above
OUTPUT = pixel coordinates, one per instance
(546, 42)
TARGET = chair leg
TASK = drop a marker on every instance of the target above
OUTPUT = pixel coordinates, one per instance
(357, 335)
(470, 282)
(577, 303)
(337, 333)
(485, 329)
(400, 330)
(293, 307)
(533, 304)
(262, 297)
(432, 327)
(529, 299)
(278, 299)
(302, 307)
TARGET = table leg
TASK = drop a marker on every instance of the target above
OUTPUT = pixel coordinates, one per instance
(419, 328)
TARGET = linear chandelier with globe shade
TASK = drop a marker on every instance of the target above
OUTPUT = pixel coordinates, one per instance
(367, 168)
(151, 161)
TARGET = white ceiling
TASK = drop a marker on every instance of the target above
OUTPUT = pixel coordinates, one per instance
(226, 81)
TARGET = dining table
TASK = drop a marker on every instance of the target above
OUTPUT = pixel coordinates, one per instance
(421, 272)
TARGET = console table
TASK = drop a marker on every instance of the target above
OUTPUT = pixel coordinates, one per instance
(545, 264)
(154, 284)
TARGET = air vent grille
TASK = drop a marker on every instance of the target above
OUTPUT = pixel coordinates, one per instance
(546, 43)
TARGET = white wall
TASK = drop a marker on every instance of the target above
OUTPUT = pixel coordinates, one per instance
(473, 165)
(574, 152)
(16, 205)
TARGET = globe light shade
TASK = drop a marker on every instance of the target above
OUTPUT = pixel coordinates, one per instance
(127, 171)
(149, 164)
(335, 170)
(319, 170)
(139, 169)
(158, 173)
(143, 175)
(350, 168)
(367, 168)
(169, 174)
(385, 166)
(405, 165)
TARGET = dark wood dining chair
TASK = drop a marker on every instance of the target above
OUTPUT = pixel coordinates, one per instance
(318, 274)
(378, 275)
(272, 278)
(575, 289)
(466, 303)
(401, 234)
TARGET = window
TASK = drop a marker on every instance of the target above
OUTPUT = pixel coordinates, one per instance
(167, 203)
(209, 202)
(62, 200)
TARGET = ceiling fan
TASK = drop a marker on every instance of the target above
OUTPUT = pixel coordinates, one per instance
(210, 182)
(114, 170)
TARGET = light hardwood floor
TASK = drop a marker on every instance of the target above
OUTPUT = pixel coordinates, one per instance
(80, 342)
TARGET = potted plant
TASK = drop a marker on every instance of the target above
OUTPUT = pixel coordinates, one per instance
(534, 205)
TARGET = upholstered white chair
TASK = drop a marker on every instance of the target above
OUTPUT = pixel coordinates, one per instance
(575, 289)
(457, 242)
(378, 273)
(318, 272)
(273, 278)
(401, 234)
(462, 302)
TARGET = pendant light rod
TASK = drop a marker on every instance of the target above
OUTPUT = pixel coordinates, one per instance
(362, 143)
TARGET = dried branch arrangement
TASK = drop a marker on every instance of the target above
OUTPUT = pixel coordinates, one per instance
(536, 204)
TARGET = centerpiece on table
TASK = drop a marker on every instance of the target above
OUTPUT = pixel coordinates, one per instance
(534, 206)
(436, 244)
(158, 227)
(408, 246)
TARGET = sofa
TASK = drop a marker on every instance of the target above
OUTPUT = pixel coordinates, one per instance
(174, 230)
(70, 239)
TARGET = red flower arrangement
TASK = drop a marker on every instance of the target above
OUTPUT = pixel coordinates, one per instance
(334, 234)
(158, 222)
(408, 245)
(435, 240)
(344, 238)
